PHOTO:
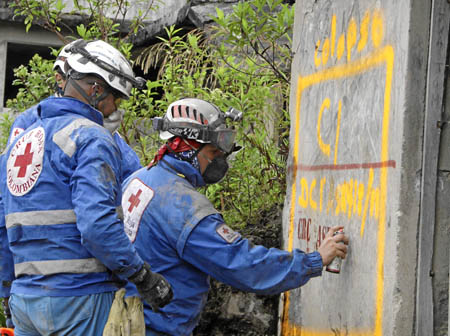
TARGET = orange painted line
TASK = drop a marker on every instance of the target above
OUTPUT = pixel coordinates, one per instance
(379, 57)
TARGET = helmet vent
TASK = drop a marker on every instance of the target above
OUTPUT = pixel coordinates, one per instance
(184, 111)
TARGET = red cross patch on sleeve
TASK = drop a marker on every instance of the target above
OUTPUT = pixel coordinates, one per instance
(25, 162)
(227, 233)
(135, 200)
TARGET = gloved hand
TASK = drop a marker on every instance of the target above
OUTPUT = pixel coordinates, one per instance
(126, 316)
(7, 313)
(152, 287)
(112, 122)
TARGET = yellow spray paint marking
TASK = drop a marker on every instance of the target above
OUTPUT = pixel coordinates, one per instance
(303, 199)
(377, 197)
(333, 33)
(377, 29)
(325, 148)
(360, 198)
(351, 38)
(325, 51)
(364, 32)
(323, 180)
(366, 203)
(311, 200)
(338, 127)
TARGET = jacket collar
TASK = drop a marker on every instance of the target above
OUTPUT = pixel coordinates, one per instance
(57, 106)
(191, 174)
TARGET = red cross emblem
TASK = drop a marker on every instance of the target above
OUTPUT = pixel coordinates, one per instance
(226, 233)
(134, 200)
(24, 160)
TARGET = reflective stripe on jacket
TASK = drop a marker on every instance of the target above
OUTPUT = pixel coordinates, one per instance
(130, 160)
(62, 217)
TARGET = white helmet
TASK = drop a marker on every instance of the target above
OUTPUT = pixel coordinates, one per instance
(102, 59)
(197, 119)
(62, 56)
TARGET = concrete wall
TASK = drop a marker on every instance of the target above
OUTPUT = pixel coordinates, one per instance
(442, 229)
(157, 14)
(358, 103)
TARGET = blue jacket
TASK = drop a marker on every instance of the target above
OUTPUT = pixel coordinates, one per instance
(60, 187)
(180, 234)
(130, 162)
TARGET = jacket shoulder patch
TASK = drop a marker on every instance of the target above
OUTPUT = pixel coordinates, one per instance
(227, 233)
(25, 161)
(135, 200)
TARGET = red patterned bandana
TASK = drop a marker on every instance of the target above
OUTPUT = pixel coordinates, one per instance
(177, 145)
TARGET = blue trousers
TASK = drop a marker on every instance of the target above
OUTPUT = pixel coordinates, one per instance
(60, 315)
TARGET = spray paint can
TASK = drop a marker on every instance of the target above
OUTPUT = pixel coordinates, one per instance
(335, 265)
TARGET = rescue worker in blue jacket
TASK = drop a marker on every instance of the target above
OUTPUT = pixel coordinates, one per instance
(130, 162)
(61, 190)
(189, 239)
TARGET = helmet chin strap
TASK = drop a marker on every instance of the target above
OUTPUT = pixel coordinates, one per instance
(92, 100)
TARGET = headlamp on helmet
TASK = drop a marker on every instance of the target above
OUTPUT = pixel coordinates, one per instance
(199, 120)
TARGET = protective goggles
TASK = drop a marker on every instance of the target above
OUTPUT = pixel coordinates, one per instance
(222, 138)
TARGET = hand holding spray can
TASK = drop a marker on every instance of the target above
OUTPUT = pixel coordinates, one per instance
(335, 265)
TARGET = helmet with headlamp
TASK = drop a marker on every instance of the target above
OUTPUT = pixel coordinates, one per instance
(199, 120)
(102, 59)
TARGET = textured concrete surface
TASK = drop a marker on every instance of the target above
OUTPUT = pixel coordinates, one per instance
(442, 230)
(357, 101)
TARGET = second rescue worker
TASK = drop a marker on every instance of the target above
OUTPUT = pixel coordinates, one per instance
(177, 230)
(60, 183)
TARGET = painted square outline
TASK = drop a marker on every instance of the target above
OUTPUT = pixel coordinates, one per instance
(382, 56)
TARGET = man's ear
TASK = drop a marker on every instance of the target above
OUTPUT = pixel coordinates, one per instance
(95, 89)
(58, 78)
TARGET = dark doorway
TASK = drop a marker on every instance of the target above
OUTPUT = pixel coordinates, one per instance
(17, 55)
